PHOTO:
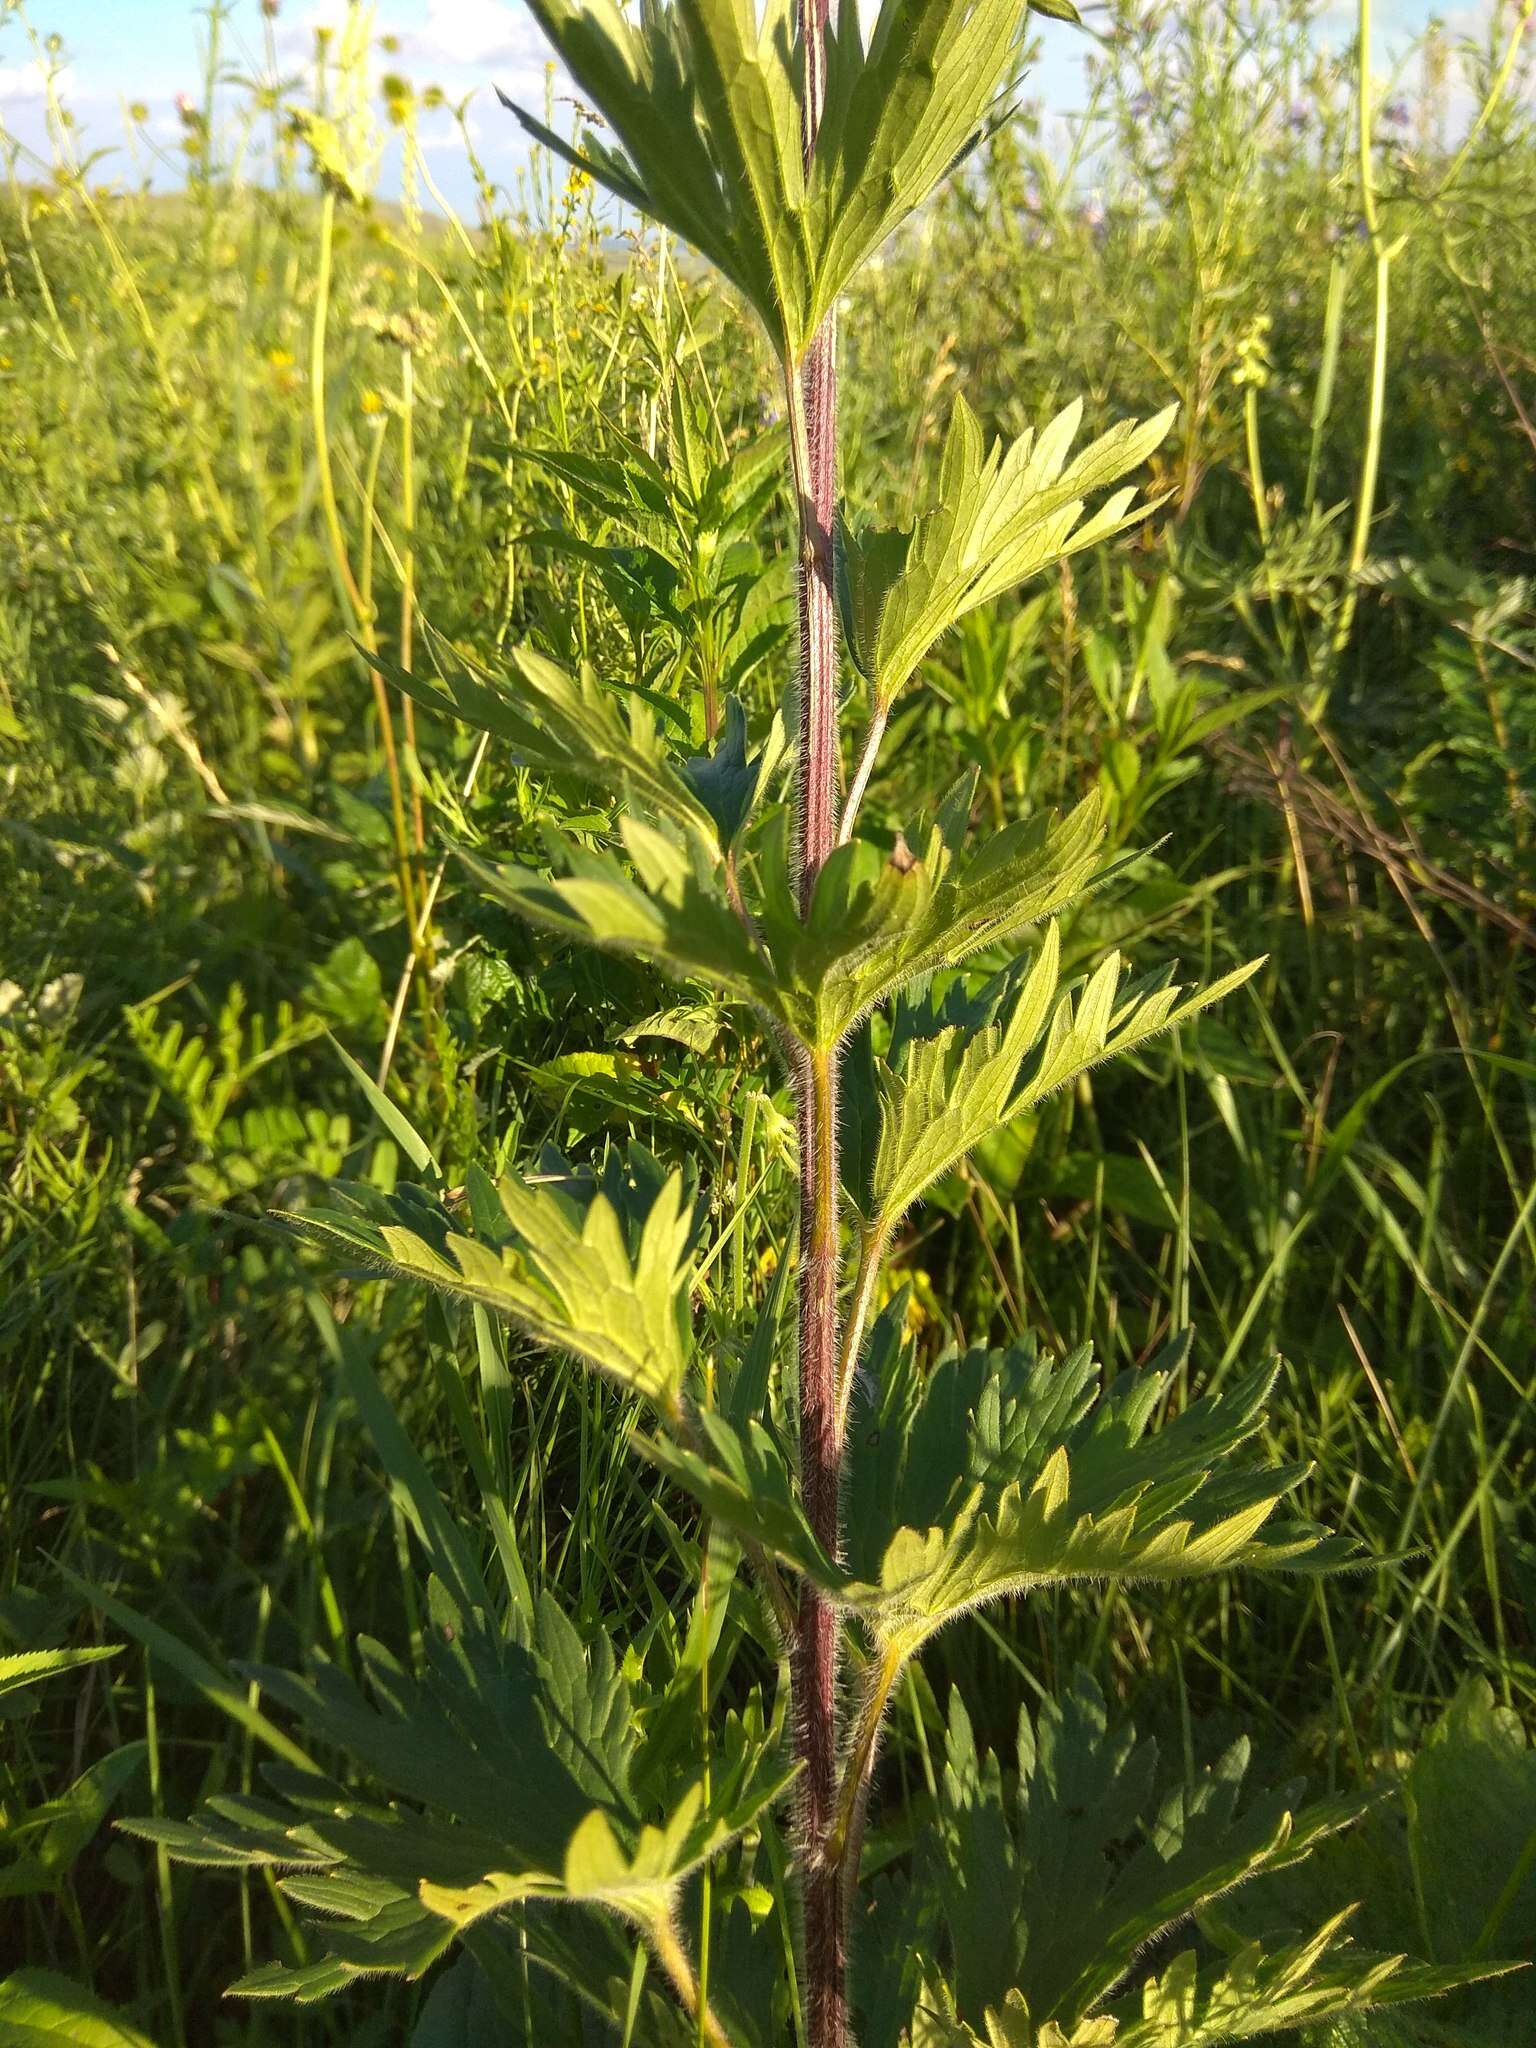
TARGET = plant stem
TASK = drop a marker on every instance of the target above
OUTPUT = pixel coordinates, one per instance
(811, 407)
(1370, 466)
(865, 769)
(811, 400)
(814, 1655)
(673, 1958)
(848, 1828)
(875, 1243)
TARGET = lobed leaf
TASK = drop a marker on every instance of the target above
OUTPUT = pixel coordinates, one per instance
(879, 922)
(1004, 1472)
(958, 1072)
(28, 1666)
(1088, 1819)
(704, 97)
(673, 913)
(512, 1770)
(1002, 516)
(557, 1258)
(561, 724)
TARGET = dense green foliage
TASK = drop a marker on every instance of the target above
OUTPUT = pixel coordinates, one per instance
(246, 430)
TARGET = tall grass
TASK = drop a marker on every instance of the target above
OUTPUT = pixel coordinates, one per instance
(258, 420)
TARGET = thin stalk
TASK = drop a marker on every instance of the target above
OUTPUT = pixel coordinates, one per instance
(359, 607)
(860, 783)
(673, 1958)
(843, 1842)
(1322, 403)
(408, 579)
(815, 1647)
(872, 1249)
(811, 403)
(811, 412)
(1370, 467)
(1496, 91)
(1256, 486)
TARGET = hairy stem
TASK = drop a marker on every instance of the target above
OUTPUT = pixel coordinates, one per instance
(814, 1655)
(811, 402)
(847, 1834)
(811, 407)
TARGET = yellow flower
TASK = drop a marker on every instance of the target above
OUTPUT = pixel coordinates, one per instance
(280, 359)
(372, 402)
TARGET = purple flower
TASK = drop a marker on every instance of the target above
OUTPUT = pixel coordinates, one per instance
(1142, 105)
(1395, 113)
(1298, 117)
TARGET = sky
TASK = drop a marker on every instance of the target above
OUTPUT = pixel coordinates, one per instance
(121, 51)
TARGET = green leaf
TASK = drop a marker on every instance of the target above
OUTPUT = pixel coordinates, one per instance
(1090, 1822)
(947, 1091)
(877, 922)
(959, 1072)
(394, 1120)
(40, 2009)
(47, 1839)
(743, 1480)
(30, 1665)
(1089, 1819)
(560, 1261)
(561, 724)
(1002, 1472)
(730, 783)
(1001, 517)
(703, 98)
(675, 915)
(461, 2009)
(1257, 1993)
(511, 1769)
(880, 922)
(1471, 1799)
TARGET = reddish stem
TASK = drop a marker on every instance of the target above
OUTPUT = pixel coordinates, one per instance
(812, 398)
(815, 1648)
(818, 610)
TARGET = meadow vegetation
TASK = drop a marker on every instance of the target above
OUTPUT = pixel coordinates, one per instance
(269, 445)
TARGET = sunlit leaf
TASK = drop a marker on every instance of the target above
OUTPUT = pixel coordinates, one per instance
(703, 98)
(560, 1260)
(1001, 516)
(1004, 1471)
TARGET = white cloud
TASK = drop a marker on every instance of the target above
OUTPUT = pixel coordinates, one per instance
(474, 32)
(29, 82)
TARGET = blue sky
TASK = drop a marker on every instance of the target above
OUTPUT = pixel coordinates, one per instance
(148, 50)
